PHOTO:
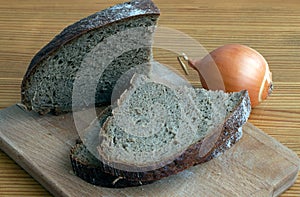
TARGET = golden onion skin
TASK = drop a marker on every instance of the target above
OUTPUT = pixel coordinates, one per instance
(235, 67)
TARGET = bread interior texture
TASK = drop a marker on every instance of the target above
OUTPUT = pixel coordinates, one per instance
(50, 87)
(152, 123)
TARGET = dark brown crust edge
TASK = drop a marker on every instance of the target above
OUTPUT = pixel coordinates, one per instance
(94, 175)
(90, 23)
(191, 156)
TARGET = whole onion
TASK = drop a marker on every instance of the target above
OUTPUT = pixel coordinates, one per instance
(235, 67)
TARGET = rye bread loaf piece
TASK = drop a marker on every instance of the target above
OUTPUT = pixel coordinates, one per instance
(89, 46)
(155, 130)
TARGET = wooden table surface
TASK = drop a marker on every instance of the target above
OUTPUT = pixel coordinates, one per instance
(270, 26)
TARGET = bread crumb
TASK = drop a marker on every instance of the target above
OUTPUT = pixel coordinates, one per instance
(117, 179)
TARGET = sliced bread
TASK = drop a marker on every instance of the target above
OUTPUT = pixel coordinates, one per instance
(48, 83)
(156, 129)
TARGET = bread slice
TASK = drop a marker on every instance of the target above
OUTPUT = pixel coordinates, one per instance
(156, 129)
(48, 83)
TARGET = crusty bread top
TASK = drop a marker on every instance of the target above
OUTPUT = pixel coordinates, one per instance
(120, 12)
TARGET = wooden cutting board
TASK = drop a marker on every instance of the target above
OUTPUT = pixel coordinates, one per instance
(257, 165)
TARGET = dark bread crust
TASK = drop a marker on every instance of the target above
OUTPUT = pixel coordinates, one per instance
(91, 23)
(229, 134)
(94, 175)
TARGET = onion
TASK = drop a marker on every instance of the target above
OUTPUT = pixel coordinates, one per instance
(233, 68)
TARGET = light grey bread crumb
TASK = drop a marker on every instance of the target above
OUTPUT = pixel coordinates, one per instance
(50, 86)
(152, 123)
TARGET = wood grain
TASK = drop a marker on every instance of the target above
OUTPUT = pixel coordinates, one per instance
(271, 27)
(257, 165)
